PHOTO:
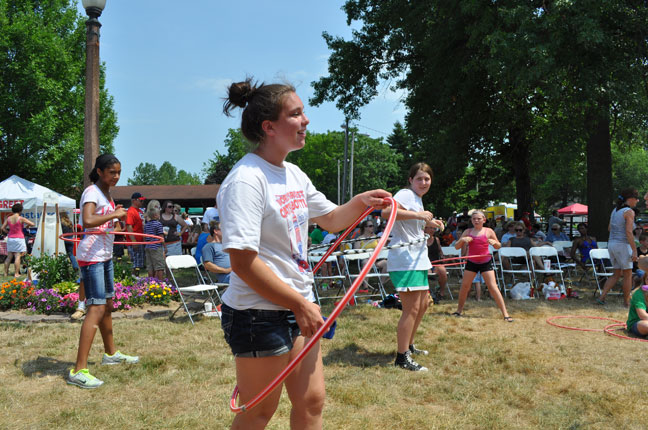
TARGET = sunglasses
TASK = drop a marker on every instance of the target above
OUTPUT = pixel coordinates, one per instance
(555, 229)
(369, 225)
(519, 229)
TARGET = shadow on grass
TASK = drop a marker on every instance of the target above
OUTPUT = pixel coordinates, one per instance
(46, 366)
(354, 355)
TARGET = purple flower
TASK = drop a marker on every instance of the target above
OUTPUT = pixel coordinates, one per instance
(43, 300)
(48, 307)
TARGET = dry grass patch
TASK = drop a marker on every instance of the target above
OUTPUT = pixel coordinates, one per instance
(484, 373)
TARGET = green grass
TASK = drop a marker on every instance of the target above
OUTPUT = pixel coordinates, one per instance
(484, 373)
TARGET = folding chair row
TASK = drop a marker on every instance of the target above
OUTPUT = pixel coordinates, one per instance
(195, 290)
(354, 261)
(335, 276)
(521, 266)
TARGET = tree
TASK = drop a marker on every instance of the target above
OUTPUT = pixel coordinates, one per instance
(42, 87)
(216, 169)
(167, 174)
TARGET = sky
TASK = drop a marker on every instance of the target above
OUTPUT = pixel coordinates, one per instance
(168, 64)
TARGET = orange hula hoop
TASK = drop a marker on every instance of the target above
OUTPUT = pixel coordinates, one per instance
(74, 237)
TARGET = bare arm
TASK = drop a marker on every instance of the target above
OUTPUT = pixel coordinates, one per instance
(465, 239)
(258, 276)
(342, 216)
(492, 239)
(629, 224)
(214, 268)
(642, 314)
(26, 221)
(182, 223)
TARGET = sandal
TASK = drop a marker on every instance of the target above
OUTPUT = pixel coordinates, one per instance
(601, 302)
(508, 319)
(456, 314)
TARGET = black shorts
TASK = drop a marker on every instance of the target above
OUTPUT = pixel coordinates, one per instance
(479, 267)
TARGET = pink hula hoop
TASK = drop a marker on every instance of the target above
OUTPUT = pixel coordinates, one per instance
(72, 237)
(550, 322)
(465, 257)
(622, 326)
(331, 318)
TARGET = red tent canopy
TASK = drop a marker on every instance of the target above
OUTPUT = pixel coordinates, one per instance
(575, 209)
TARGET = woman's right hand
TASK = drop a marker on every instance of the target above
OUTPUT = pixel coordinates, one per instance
(309, 318)
(426, 216)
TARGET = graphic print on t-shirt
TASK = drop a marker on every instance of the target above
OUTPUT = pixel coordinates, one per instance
(295, 210)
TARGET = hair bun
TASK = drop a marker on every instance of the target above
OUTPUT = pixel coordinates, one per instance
(241, 92)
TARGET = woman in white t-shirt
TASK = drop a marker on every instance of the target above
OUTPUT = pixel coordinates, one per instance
(265, 204)
(408, 266)
(94, 255)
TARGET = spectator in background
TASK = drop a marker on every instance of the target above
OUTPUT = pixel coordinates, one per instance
(16, 245)
(155, 264)
(537, 233)
(509, 232)
(203, 239)
(171, 220)
(215, 260)
(583, 244)
(134, 225)
(553, 219)
(499, 228)
(525, 219)
(447, 238)
(211, 214)
(556, 234)
(464, 218)
(316, 235)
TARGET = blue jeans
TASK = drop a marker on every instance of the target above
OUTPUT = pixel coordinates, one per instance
(98, 281)
(258, 332)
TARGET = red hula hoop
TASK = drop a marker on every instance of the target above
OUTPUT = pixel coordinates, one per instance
(334, 314)
(464, 257)
(550, 322)
(71, 237)
(608, 330)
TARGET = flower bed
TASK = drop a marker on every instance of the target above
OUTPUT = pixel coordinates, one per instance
(22, 295)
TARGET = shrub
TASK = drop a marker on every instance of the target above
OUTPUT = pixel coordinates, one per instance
(123, 271)
(66, 287)
(52, 270)
(15, 294)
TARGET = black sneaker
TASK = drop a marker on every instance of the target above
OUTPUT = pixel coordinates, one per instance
(407, 363)
(415, 351)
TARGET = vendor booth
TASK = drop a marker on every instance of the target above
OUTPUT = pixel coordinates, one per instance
(37, 199)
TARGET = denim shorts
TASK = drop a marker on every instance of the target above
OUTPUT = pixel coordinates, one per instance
(258, 332)
(98, 281)
(634, 330)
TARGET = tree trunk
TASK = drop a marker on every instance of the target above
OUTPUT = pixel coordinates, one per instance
(599, 171)
(521, 154)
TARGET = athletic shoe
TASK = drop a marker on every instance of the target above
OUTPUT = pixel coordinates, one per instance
(415, 351)
(119, 358)
(83, 379)
(78, 314)
(409, 364)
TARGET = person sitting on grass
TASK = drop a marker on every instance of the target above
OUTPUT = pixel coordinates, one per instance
(637, 322)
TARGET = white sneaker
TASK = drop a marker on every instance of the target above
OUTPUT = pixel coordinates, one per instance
(83, 379)
(119, 358)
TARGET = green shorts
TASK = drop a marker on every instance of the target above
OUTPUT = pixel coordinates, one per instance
(410, 280)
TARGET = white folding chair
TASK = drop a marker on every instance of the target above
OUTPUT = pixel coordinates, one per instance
(198, 290)
(333, 278)
(545, 253)
(450, 252)
(515, 268)
(354, 262)
(602, 245)
(600, 259)
(219, 285)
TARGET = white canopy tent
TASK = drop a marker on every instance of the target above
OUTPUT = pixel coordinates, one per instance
(34, 199)
(18, 190)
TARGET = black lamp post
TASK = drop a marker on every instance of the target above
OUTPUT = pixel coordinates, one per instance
(91, 124)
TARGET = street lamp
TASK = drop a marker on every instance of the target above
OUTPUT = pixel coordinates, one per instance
(93, 9)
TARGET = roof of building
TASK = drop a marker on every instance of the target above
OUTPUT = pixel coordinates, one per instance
(184, 195)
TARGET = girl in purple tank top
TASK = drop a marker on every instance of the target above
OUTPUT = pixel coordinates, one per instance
(474, 242)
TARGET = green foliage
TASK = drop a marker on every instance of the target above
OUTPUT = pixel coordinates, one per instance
(216, 169)
(167, 174)
(66, 287)
(123, 271)
(42, 87)
(52, 270)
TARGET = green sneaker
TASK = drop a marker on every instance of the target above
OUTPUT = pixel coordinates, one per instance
(83, 379)
(119, 358)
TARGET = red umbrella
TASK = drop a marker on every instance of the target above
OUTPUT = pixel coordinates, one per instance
(575, 209)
